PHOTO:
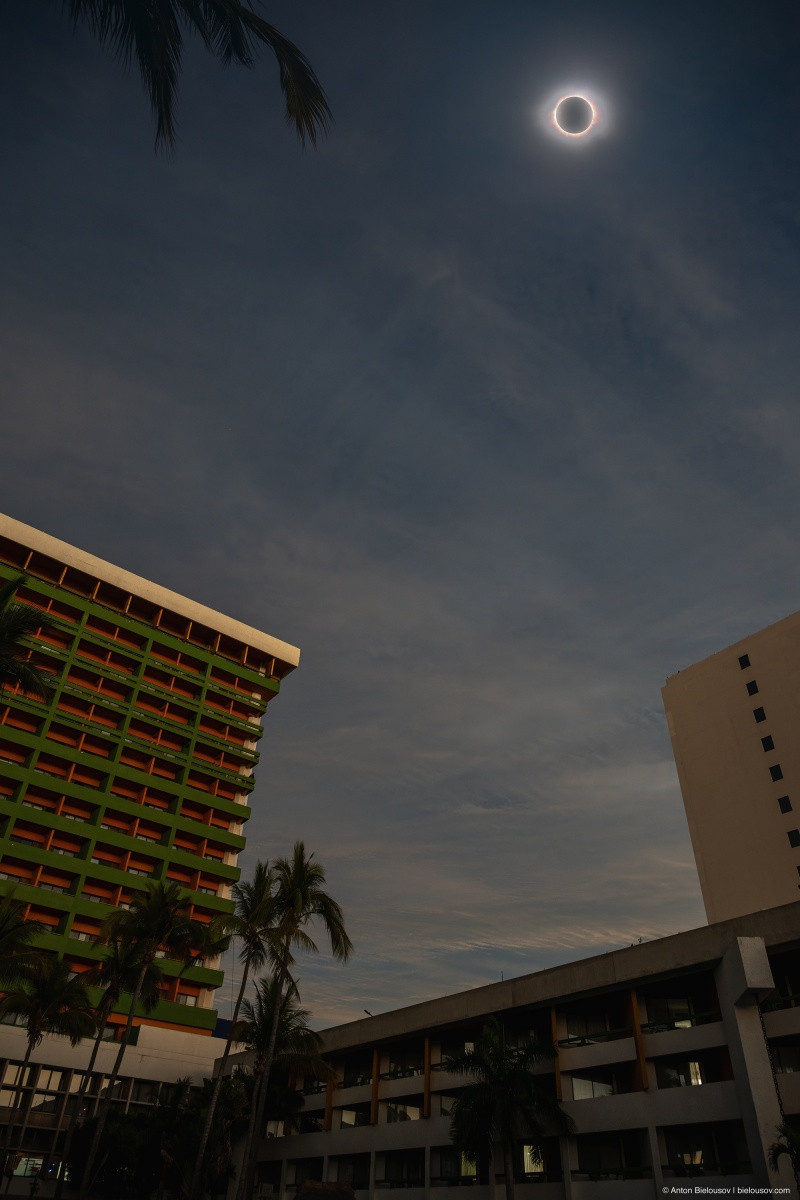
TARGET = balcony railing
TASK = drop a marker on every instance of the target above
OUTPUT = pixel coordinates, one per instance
(706, 1018)
(590, 1039)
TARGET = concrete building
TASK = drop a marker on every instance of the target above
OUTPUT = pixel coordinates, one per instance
(734, 720)
(677, 1059)
(137, 767)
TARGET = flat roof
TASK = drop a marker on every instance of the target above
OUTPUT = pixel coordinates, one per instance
(787, 623)
(71, 556)
(662, 956)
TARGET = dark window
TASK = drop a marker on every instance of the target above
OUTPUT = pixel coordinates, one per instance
(767, 742)
(794, 837)
(759, 715)
(752, 687)
(784, 804)
(744, 661)
(776, 773)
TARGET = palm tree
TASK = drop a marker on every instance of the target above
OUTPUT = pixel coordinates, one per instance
(252, 922)
(117, 972)
(296, 1048)
(300, 899)
(16, 935)
(505, 1103)
(51, 1000)
(230, 29)
(788, 1143)
(156, 920)
(18, 621)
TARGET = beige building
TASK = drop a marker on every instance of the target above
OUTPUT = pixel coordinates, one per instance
(734, 720)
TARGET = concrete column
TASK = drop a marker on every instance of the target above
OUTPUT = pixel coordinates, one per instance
(655, 1160)
(372, 1175)
(566, 1147)
(744, 979)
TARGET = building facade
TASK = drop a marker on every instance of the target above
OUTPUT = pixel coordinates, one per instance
(734, 721)
(139, 764)
(677, 1059)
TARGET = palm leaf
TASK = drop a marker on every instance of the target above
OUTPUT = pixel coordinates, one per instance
(151, 33)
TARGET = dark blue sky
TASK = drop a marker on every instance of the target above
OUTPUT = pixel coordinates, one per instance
(500, 429)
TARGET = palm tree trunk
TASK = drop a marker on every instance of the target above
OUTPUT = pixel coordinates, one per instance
(508, 1169)
(195, 1186)
(260, 1096)
(105, 1108)
(73, 1122)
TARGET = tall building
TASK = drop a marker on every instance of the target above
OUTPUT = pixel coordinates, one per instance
(734, 720)
(676, 1059)
(139, 764)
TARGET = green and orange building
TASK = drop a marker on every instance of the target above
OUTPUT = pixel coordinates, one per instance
(140, 763)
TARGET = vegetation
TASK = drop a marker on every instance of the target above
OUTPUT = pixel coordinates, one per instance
(16, 937)
(184, 1142)
(51, 1000)
(788, 1143)
(505, 1105)
(17, 622)
(252, 922)
(297, 1048)
(156, 921)
(117, 972)
(151, 1152)
(300, 900)
(231, 29)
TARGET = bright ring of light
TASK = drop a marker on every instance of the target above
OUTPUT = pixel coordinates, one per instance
(581, 132)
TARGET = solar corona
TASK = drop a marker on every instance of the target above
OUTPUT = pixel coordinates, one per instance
(574, 116)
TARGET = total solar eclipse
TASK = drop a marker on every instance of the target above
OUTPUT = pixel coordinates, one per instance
(574, 116)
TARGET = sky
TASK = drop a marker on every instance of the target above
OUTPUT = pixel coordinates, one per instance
(500, 428)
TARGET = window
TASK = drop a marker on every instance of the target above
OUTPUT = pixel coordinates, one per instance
(744, 661)
(767, 742)
(532, 1161)
(794, 837)
(759, 715)
(352, 1117)
(784, 804)
(185, 998)
(585, 1087)
(776, 773)
(752, 688)
(679, 1073)
(786, 1056)
(402, 1112)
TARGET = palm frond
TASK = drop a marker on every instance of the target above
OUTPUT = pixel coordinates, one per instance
(151, 33)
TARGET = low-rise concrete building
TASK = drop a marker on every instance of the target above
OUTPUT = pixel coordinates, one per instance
(677, 1059)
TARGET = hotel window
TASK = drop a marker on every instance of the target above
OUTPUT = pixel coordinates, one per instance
(767, 742)
(784, 804)
(776, 773)
(744, 662)
(532, 1161)
(759, 715)
(794, 837)
(752, 688)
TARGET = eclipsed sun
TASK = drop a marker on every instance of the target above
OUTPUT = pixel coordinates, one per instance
(573, 116)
